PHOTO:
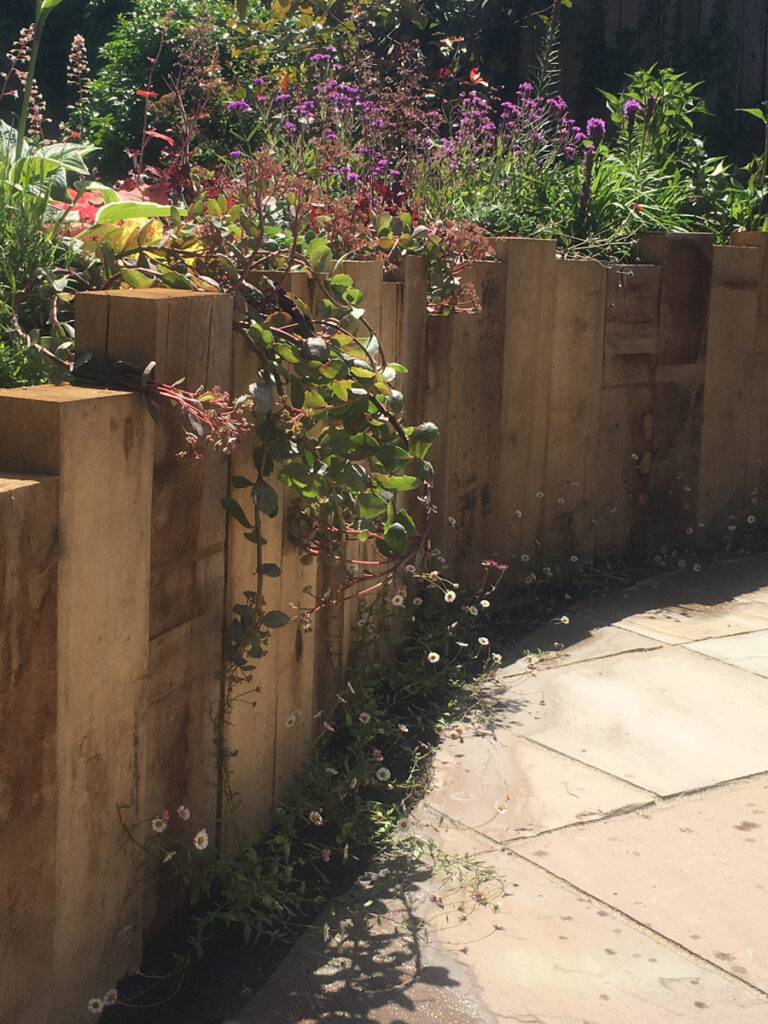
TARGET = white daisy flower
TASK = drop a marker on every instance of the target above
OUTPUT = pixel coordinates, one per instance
(450, 596)
(402, 825)
(418, 602)
(110, 998)
(501, 808)
(398, 600)
(433, 657)
(525, 558)
(496, 659)
(364, 717)
(750, 520)
(201, 840)
(485, 604)
(483, 641)
(472, 610)
(316, 817)
(564, 619)
(403, 728)
(383, 774)
(410, 568)
(95, 1006)
(183, 812)
(159, 825)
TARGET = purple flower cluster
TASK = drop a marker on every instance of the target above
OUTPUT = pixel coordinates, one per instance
(238, 106)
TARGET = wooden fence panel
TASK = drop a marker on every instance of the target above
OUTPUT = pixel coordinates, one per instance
(470, 421)
(620, 489)
(730, 355)
(680, 368)
(526, 371)
(29, 525)
(99, 444)
(757, 447)
(574, 405)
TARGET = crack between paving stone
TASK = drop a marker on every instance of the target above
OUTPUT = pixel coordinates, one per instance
(682, 643)
(655, 798)
(659, 936)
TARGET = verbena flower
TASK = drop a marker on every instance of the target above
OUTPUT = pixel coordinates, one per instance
(596, 129)
(238, 106)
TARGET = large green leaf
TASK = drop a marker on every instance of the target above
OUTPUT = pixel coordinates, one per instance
(126, 209)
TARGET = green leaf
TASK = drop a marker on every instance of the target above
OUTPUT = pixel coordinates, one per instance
(241, 481)
(233, 509)
(276, 619)
(135, 279)
(48, 5)
(755, 112)
(265, 498)
(111, 212)
(320, 256)
(271, 569)
(371, 505)
(262, 395)
(396, 483)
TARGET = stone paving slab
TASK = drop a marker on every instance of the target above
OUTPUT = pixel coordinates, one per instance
(547, 955)
(748, 651)
(667, 720)
(605, 914)
(581, 638)
(680, 624)
(693, 869)
(538, 788)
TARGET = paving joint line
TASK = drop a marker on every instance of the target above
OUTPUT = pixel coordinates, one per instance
(506, 846)
(659, 936)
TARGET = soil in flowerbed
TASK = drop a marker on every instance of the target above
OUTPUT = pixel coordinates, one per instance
(217, 985)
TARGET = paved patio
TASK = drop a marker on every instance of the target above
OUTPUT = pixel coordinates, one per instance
(629, 866)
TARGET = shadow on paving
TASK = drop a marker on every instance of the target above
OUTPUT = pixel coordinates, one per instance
(371, 965)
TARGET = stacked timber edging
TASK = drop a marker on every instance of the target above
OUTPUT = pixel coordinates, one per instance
(584, 408)
(593, 408)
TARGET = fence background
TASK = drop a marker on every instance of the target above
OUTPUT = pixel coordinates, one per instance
(724, 45)
(587, 408)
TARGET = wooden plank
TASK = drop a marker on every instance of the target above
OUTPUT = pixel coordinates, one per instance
(620, 489)
(757, 446)
(252, 720)
(471, 423)
(433, 398)
(631, 325)
(579, 290)
(293, 661)
(414, 320)
(28, 708)
(526, 372)
(103, 446)
(680, 365)
(730, 355)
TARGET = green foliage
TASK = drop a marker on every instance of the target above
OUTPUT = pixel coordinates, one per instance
(150, 37)
(31, 250)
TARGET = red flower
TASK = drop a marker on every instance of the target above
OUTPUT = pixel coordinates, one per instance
(146, 94)
(638, 206)
(444, 72)
(476, 78)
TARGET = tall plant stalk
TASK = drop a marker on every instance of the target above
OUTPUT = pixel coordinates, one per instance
(42, 9)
